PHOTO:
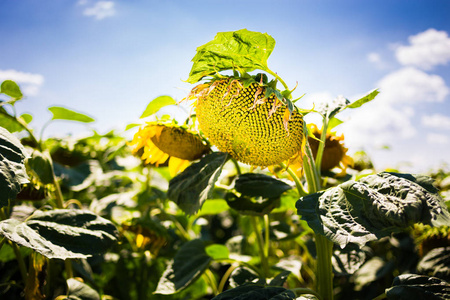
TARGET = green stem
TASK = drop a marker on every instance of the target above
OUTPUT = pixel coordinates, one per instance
(324, 247)
(225, 277)
(298, 183)
(266, 235)
(259, 238)
(278, 78)
(319, 153)
(236, 165)
(22, 267)
(212, 281)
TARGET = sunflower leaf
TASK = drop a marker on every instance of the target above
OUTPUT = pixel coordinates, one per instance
(363, 100)
(415, 287)
(156, 104)
(260, 185)
(187, 266)
(255, 291)
(61, 113)
(12, 169)
(10, 88)
(243, 50)
(78, 290)
(62, 233)
(195, 184)
(375, 206)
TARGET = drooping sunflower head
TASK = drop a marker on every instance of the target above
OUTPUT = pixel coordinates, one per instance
(160, 143)
(334, 153)
(244, 121)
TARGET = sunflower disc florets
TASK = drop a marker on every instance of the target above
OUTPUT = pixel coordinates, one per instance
(255, 129)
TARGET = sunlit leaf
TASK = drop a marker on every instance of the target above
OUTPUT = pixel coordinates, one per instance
(10, 88)
(217, 251)
(61, 113)
(194, 185)
(436, 263)
(363, 100)
(156, 104)
(62, 233)
(12, 169)
(78, 290)
(240, 50)
(248, 206)
(373, 207)
(416, 287)
(187, 266)
(213, 207)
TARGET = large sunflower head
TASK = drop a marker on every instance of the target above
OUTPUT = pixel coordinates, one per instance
(334, 153)
(160, 143)
(246, 121)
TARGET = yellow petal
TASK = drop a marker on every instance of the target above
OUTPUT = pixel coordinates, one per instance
(177, 165)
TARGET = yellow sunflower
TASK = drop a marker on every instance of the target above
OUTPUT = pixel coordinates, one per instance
(334, 153)
(160, 143)
(241, 120)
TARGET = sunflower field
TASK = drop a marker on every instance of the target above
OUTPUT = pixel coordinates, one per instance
(242, 200)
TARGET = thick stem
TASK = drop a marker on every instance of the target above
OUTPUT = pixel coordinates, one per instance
(319, 153)
(324, 248)
(298, 183)
(259, 238)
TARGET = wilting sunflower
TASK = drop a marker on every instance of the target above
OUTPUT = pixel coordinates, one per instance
(334, 153)
(160, 143)
(243, 121)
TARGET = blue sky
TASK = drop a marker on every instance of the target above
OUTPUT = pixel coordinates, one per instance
(110, 58)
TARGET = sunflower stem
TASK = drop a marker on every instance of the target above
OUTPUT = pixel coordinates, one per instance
(298, 183)
(324, 247)
(259, 238)
(319, 153)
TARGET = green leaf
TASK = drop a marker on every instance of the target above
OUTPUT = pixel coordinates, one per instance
(241, 50)
(280, 279)
(195, 184)
(27, 118)
(156, 104)
(213, 207)
(61, 113)
(373, 207)
(248, 206)
(217, 251)
(187, 266)
(363, 100)
(62, 233)
(333, 123)
(41, 164)
(10, 88)
(243, 275)
(253, 291)
(78, 290)
(416, 287)
(260, 185)
(12, 169)
(436, 263)
(348, 261)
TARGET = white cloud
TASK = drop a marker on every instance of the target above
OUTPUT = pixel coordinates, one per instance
(99, 10)
(426, 50)
(410, 85)
(436, 138)
(28, 82)
(436, 121)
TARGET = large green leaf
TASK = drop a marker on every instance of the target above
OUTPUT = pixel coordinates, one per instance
(436, 263)
(416, 287)
(78, 290)
(12, 169)
(188, 265)
(373, 207)
(195, 184)
(254, 291)
(260, 185)
(40, 163)
(62, 113)
(364, 99)
(249, 206)
(156, 104)
(10, 88)
(240, 50)
(62, 233)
